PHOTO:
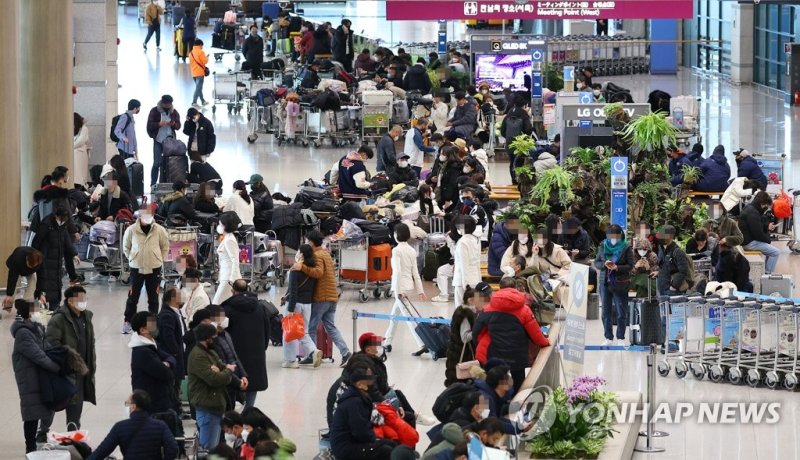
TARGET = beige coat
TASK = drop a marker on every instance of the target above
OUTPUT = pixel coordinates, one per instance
(145, 252)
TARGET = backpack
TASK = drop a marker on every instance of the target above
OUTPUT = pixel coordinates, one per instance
(114, 121)
(782, 206)
(513, 128)
(451, 399)
(266, 97)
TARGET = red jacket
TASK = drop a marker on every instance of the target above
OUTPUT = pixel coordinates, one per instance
(394, 427)
(504, 329)
(307, 42)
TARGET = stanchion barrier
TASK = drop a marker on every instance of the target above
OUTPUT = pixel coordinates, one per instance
(650, 431)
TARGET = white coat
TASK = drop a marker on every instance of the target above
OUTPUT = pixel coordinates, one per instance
(467, 262)
(243, 209)
(80, 156)
(405, 275)
(734, 193)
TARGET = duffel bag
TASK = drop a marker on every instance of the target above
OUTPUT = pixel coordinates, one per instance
(308, 195)
(173, 147)
(378, 233)
(324, 205)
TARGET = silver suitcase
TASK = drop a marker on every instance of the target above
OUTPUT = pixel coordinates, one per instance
(777, 285)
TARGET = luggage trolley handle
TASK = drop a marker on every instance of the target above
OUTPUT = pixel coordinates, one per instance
(406, 301)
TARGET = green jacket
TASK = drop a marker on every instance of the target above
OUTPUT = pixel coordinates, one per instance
(62, 330)
(207, 389)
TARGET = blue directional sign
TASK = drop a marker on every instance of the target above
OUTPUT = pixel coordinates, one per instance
(442, 42)
(585, 97)
(585, 124)
(537, 59)
(569, 73)
(619, 192)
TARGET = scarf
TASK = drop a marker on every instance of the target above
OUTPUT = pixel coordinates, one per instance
(613, 251)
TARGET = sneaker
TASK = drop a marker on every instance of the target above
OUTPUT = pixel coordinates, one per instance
(607, 343)
(346, 358)
(290, 364)
(621, 343)
(317, 357)
(426, 420)
(440, 298)
(308, 359)
(126, 328)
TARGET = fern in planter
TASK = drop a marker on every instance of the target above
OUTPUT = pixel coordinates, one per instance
(691, 174)
(556, 181)
(522, 144)
(612, 110)
(651, 132)
(436, 80)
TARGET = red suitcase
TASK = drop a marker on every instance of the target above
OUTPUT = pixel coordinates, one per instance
(379, 265)
(324, 342)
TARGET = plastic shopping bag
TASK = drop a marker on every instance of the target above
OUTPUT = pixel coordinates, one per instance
(294, 327)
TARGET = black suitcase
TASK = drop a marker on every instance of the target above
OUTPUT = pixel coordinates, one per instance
(434, 336)
(645, 321)
(276, 330)
(308, 195)
(228, 37)
(378, 233)
(216, 40)
(136, 178)
(174, 168)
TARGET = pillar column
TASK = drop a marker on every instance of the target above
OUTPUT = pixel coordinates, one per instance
(742, 44)
(10, 126)
(112, 75)
(46, 58)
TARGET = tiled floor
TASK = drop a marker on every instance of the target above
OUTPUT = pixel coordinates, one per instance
(734, 116)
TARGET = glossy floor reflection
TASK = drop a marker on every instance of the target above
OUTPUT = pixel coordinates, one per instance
(731, 115)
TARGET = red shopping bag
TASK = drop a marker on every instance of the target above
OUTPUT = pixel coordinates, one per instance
(294, 327)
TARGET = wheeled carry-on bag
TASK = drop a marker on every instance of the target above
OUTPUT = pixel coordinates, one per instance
(434, 336)
(136, 177)
(379, 265)
(174, 168)
(777, 285)
(324, 342)
(644, 318)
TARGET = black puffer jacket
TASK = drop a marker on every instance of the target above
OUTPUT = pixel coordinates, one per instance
(253, 50)
(203, 129)
(322, 42)
(249, 328)
(176, 203)
(455, 345)
(300, 289)
(262, 205)
(110, 205)
(53, 241)
(351, 429)
(449, 183)
(51, 198)
(27, 358)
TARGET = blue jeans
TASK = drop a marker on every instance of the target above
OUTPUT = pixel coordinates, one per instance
(154, 28)
(770, 252)
(304, 346)
(158, 149)
(326, 311)
(250, 398)
(209, 428)
(614, 303)
(198, 90)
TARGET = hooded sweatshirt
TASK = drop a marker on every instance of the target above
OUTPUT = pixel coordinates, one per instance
(451, 435)
(715, 171)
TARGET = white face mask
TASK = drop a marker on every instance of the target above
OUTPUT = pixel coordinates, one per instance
(220, 229)
(298, 257)
(596, 93)
(613, 240)
(522, 238)
(127, 411)
(147, 219)
(642, 252)
(467, 169)
(82, 305)
(225, 323)
(460, 230)
(402, 164)
(230, 438)
(396, 138)
(245, 433)
(442, 157)
(36, 317)
(484, 414)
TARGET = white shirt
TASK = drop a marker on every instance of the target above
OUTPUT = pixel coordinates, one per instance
(405, 276)
(228, 252)
(467, 262)
(243, 209)
(410, 148)
(483, 159)
(196, 299)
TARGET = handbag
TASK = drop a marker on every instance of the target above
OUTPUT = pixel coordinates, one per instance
(294, 327)
(463, 367)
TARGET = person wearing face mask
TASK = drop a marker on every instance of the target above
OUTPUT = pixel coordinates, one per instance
(253, 52)
(522, 245)
(153, 437)
(204, 199)
(208, 378)
(152, 369)
(171, 329)
(224, 347)
(451, 443)
(110, 196)
(732, 266)
(414, 147)
(193, 293)
(498, 389)
(597, 94)
(176, 204)
(451, 171)
(298, 299)
(162, 122)
(228, 255)
(747, 167)
(53, 241)
(459, 346)
(262, 203)
(24, 261)
(28, 359)
(551, 261)
(466, 257)
(125, 131)
(755, 227)
(386, 152)
(404, 173)
(351, 174)
(351, 433)
(437, 141)
(71, 326)
(145, 244)
(405, 281)
(575, 240)
(674, 275)
(614, 263)
(645, 261)
(202, 139)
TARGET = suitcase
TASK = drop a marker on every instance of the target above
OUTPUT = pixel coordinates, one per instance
(434, 336)
(378, 97)
(430, 266)
(324, 342)
(400, 112)
(777, 285)
(104, 231)
(172, 146)
(228, 37)
(174, 168)
(644, 318)
(216, 40)
(136, 177)
(378, 233)
(379, 264)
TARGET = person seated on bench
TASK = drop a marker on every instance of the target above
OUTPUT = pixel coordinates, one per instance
(747, 167)
(739, 188)
(733, 266)
(676, 163)
(701, 244)
(755, 227)
(715, 172)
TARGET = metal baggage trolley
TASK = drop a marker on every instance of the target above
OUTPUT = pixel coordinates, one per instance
(182, 241)
(268, 261)
(353, 254)
(677, 312)
(375, 121)
(246, 239)
(108, 259)
(259, 117)
(230, 89)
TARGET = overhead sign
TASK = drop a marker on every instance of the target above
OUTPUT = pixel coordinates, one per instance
(442, 42)
(595, 112)
(619, 192)
(414, 10)
(575, 330)
(585, 97)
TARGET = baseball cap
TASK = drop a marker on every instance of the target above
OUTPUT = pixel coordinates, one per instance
(403, 156)
(369, 339)
(255, 178)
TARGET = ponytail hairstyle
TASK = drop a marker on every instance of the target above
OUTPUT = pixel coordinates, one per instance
(241, 187)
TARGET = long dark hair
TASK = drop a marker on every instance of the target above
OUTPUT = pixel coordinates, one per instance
(77, 123)
(241, 187)
(118, 163)
(202, 192)
(308, 255)
(424, 201)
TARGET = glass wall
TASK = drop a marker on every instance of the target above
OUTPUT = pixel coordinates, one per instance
(774, 26)
(710, 32)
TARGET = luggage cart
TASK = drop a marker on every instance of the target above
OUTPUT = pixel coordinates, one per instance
(353, 255)
(676, 312)
(704, 267)
(794, 243)
(268, 260)
(729, 350)
(246, 238)
(375, 121)
(784, 367)
(230, 89)
(344, 127)
(758, 342)
(317, 125)
(685, 116)
(182, 241)
(259, 117)
(108, 259)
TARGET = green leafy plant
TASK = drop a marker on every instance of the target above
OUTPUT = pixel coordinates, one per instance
(691, 174)
(522, 144)
(584, 155)
(611, 110)
(651, 132)
(553, 77)
(554, 180)
(567, 428)
(436, 81)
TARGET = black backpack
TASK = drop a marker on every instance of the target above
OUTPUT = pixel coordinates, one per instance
(451, 399)
(114, 121)
(513, 128)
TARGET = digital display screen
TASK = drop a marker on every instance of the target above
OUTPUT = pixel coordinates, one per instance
(502, 70)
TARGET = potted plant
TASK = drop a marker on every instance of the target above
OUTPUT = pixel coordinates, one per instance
(568, 428)
(691, 174)
(553, 186)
